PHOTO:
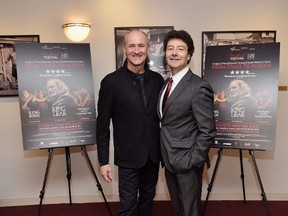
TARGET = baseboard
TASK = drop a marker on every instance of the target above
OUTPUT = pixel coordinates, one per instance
(57, 200)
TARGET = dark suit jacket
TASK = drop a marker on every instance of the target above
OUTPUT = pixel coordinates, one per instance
(188, 126)
(136, 130)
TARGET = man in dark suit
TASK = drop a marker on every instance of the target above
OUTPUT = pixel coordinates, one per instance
(188, 127)
(129, 97)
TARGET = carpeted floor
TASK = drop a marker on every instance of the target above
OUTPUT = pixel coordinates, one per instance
(161, 208)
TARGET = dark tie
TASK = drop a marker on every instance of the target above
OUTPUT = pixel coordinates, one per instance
(142, 80)
(167, 92)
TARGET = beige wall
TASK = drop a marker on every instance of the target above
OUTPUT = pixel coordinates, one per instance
(22, 172)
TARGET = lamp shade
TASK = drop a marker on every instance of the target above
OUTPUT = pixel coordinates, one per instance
(76, 31)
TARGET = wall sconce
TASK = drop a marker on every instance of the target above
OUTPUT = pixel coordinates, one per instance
(76, 31)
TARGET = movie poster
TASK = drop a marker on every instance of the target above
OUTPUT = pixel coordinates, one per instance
(245, 83)
(56, 95)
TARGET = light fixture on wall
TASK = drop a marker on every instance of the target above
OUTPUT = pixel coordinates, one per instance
(76, 31)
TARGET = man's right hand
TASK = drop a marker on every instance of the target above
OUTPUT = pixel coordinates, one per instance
(106, 173)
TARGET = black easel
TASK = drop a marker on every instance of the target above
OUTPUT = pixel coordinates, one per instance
(251, 152)
(264, 198)
(69, 174)
(42, 192)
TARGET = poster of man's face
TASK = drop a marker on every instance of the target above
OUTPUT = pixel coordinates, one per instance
(56, 95)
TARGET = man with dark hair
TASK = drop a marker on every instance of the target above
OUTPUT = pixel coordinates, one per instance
(188, 127)
(129, 97)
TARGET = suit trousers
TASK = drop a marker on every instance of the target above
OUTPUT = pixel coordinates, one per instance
(185, 191)
(134, 181)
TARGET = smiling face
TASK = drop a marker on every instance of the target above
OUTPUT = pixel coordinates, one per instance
(176, 54)
(136, 48)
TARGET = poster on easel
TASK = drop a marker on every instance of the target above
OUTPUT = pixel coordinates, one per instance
(56, 95)
(245, 83)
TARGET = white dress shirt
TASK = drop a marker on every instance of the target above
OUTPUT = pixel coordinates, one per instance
(176, 79)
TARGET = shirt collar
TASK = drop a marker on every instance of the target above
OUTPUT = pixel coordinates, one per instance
(178, 76)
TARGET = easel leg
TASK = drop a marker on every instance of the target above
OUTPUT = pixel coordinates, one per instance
(220, 151)
(69, 173)
(95, 176)
(242, 175)
(42, 192)
(264, 198)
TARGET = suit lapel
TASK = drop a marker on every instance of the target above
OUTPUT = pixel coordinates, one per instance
(178, 89)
